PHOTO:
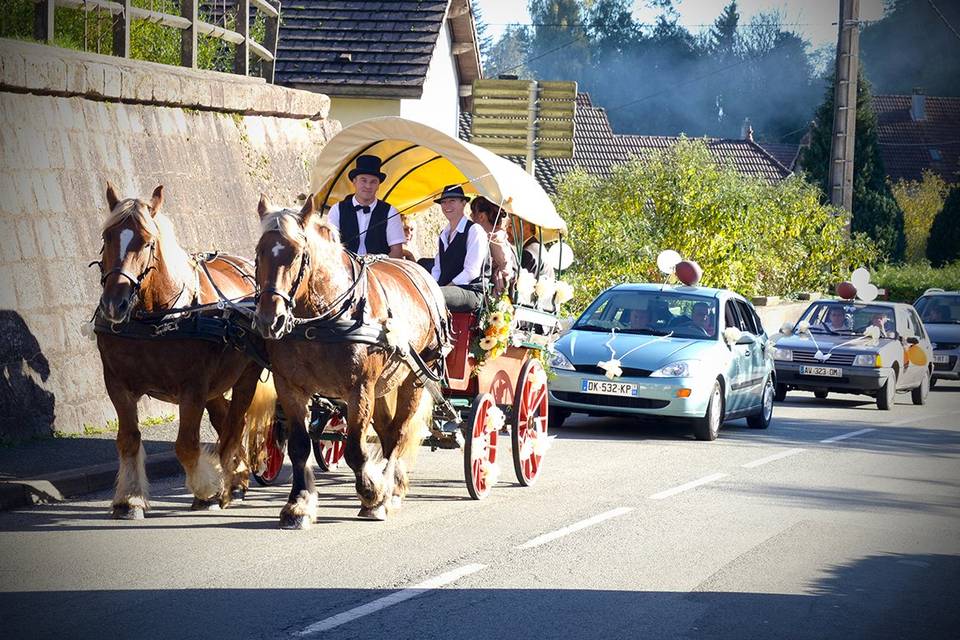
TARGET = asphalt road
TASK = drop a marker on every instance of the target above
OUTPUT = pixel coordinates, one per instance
(840, 521)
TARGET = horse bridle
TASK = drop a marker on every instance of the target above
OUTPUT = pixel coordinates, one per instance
(286, 297)
(135, 281)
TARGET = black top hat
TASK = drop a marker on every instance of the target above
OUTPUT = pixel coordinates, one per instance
(369, 165)
(453, 191)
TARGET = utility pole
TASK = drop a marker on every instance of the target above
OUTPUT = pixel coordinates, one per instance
(845, 107)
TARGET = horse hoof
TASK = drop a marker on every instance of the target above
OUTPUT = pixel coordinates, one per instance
(290, 521)
(126, 512)
(375, 513)
(237, 494)
(213, 504)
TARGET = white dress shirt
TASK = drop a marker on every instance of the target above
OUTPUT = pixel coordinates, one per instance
(395, 233)
(476, 252)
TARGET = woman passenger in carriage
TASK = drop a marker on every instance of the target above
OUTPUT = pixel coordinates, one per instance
(462, 253)
(503, 259)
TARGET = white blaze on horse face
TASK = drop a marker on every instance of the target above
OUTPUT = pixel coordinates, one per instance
(277, 248)
(125, 237)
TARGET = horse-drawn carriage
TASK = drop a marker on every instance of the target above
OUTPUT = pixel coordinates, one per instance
(485, 395)
(367, 339)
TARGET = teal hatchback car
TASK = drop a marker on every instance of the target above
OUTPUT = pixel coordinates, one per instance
(693, 353)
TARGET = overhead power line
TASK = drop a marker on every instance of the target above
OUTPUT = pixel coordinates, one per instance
(944, 18)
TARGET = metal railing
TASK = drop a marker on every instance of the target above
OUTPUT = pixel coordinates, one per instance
(187, 22)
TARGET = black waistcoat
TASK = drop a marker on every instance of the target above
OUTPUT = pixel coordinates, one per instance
(376, 238)
(451, 259)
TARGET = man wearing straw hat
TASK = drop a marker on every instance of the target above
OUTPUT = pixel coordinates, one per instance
(461, 254)
(368, 225)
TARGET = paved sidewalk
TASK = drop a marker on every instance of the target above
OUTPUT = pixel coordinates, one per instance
(53, 469)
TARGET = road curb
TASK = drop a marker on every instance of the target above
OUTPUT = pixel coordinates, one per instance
(56, 487)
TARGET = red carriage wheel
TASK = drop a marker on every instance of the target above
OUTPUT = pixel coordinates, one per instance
(530, 419)
(480, 448)
(271, 472)
(329, 453)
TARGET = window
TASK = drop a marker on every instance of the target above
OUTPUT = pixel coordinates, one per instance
(747, 322)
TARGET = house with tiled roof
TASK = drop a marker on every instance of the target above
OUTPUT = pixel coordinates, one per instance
(918, 133)
(411, 58)
(597, 149)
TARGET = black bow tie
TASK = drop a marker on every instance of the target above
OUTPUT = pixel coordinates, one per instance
(365, 208)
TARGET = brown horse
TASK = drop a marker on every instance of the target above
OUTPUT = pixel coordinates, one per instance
(304, 272)
(145, 271)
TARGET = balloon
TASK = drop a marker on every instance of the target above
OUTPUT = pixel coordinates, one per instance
(688, 272)
(860, 278)
(846, 290)
(560, 256)
(868, 293)
(667, 260)
(917, 355)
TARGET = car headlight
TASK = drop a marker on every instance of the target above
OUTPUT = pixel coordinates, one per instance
(782, 354)
(867, 360)
(678, 369)
(560, 361)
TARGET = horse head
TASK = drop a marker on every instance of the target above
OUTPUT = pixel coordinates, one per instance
(130, 238)
(283, 258)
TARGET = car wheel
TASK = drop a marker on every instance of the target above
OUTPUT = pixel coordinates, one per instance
(919, 394)
(708, 427)
(556, 418)
(762, 419)
(887, 394)
(933, 382)
(780, 392)
(821, 395)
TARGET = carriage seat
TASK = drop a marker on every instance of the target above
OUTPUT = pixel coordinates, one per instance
(463, 325)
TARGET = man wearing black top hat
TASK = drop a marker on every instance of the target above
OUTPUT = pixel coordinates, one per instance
(368, 225)
(462, 253)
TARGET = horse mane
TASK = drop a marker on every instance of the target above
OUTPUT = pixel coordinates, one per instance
(321, 239)
(175, 260)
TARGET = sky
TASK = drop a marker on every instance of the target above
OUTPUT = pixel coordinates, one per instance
(814, 19)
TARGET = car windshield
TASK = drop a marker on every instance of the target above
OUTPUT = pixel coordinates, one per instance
(939, 309)
(655, 313)
(850, 318)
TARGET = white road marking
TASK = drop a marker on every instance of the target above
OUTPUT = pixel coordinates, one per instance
(125, 237)
(583, 524)
(776, 456)
(686, 487)
(388, 601)
(844, 436)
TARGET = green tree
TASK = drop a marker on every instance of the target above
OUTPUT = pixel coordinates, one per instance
(560, 46)
(723, 39)
(509, 54)
(875, 212)
(920, 202)
(943, 246)
(748, 234)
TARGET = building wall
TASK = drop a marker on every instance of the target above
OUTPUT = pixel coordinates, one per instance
(68, 123)
(439, 106)
(350, 110)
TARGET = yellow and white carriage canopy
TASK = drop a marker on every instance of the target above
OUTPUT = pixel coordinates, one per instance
(419, 161)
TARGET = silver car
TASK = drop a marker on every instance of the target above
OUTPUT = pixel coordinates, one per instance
(940, 311)
(831, 349)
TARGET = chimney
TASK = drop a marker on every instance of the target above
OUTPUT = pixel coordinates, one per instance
(918, 106)
(746, 131)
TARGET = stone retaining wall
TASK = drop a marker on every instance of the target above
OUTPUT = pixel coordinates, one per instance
(68, 123)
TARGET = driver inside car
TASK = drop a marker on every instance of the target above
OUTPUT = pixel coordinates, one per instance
(701, 317)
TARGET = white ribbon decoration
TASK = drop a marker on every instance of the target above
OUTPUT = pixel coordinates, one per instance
(611, 367)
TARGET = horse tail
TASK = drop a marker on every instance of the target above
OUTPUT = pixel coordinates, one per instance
(417, 428)
(258, 422)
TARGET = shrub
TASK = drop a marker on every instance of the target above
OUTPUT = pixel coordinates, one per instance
(944, 243)
(905, 283)
(749, 235)
(920, 202)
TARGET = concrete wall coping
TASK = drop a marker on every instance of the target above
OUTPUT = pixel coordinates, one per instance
(47, 70)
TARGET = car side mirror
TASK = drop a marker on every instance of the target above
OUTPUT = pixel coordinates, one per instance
(746, 339)
(913, 340)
